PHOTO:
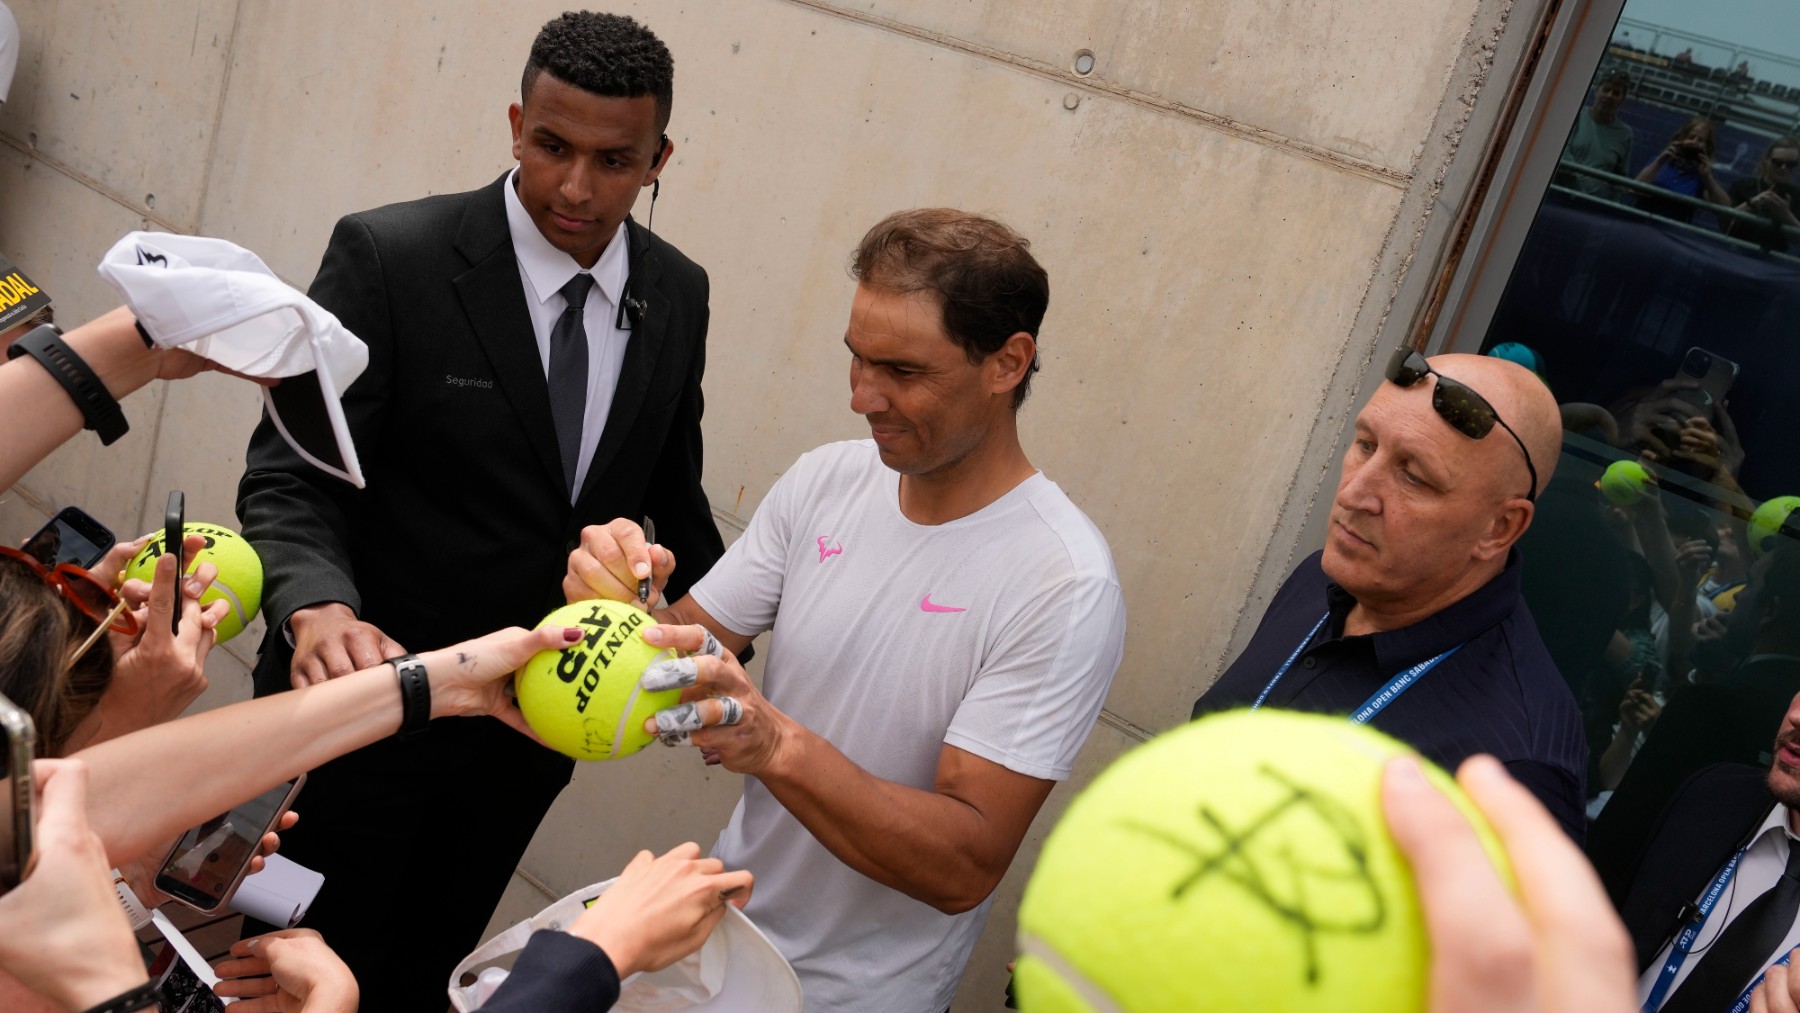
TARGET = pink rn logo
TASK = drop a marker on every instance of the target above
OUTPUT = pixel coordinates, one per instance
(826, 553)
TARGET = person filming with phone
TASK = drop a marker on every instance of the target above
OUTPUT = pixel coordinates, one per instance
(1684, 166)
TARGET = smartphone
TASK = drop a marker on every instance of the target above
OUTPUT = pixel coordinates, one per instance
(1713, 372)
(72, 536)
(17, 822)
(206, 865)
(174, 518)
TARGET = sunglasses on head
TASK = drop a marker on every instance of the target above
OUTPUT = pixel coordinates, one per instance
(90, 596)
(1467, 412)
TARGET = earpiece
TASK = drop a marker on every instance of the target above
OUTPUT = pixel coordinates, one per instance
(631, 307)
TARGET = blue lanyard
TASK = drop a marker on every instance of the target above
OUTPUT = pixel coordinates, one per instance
(1373, 705)
(1683, 943)
(1743, 1002)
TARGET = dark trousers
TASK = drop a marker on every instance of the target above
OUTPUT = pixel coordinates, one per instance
(417, 840)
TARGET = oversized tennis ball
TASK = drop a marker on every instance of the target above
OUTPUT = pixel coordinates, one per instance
(1624, 483)
(584, 699)
(240, 579)
(1765, 524)
(1238, 863)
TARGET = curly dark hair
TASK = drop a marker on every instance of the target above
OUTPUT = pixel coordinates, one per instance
(605, 54)
(982, 273)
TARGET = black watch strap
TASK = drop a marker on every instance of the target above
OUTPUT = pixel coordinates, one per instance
(139, 998)
(415, 694)
(45, 344)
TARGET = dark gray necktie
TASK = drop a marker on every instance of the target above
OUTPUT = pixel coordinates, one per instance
(569, 374)
(1746, 946)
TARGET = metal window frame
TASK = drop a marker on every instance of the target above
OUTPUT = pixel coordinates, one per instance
(1573, 45)
(1525, 70)
(1486, 198)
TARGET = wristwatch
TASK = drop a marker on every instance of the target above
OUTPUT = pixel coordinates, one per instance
(128, 899)
(415, 694)
(138, 998)
(101, 410)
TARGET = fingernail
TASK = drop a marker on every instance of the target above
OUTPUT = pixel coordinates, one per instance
(571, 634)
(642, 570)
(673, 673)
(1406, 775)
(655, 635)
(193, 586)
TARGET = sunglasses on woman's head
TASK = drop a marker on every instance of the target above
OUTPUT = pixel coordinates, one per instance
(90, 596)
(1456, 403)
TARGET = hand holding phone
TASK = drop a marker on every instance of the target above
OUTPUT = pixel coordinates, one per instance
(174, 529)
(71, 537)
(206, 865)
(61, 931)
(18, 823)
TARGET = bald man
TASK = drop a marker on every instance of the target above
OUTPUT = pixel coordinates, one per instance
(1410, 619)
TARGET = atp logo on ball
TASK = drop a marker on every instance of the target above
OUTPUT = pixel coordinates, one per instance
(585, 700)
(604, 638)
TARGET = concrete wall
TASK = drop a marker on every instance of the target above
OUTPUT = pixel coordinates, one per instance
(1227, 205)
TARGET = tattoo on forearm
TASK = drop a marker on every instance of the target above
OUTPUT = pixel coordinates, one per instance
(465, 659)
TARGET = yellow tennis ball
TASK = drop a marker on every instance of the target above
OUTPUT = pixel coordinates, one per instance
(1623, 483)
(1766, 523)
(240, 579)
(584, 699)
(1238, 863)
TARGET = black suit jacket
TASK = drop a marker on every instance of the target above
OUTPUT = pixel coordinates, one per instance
(1708, 818)
(465, 524)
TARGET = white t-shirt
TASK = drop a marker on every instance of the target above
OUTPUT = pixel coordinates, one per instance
(997, 633)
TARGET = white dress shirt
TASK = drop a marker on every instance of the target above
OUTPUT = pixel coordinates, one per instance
(1756, 875)
(544, 270)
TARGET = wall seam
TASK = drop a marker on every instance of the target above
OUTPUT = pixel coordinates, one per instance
(212, 143)
(38, 155)
(1362, 168)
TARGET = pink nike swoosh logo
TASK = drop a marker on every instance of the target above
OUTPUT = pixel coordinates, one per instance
(926, 605)
(825, 553)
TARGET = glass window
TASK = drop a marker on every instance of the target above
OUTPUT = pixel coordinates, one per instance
(1657, 292)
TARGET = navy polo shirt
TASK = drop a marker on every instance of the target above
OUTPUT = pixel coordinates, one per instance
(1500, 694)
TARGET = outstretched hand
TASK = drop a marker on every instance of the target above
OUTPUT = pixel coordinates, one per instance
(661, 909)
(287, 971)
(1556, 946)
(473, 678)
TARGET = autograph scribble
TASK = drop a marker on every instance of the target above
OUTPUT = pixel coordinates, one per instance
(1244, 856)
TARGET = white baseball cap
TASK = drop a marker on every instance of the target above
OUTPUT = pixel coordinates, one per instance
(737, 970)
(221, 302)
